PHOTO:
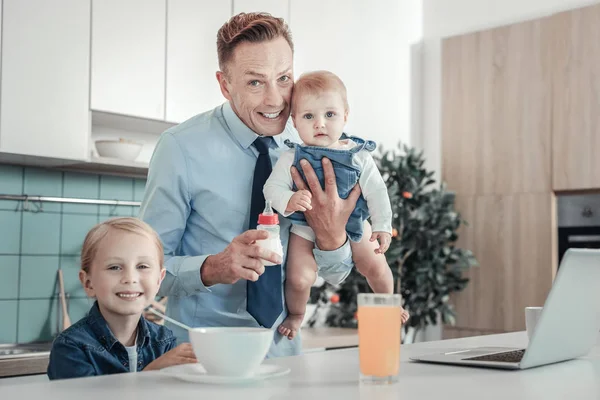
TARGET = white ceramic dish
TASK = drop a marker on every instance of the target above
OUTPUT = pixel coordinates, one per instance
(121, 149)
(197, 374)
(231, 351)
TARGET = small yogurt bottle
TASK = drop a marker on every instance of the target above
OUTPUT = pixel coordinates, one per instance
(269, 221)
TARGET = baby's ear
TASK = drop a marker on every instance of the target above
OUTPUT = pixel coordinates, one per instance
(163, 272)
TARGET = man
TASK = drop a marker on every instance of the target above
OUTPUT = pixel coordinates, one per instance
(204, 192)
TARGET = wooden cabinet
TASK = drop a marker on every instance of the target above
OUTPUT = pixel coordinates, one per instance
(513, 238)
(45, 78)
(496, 96)
(576, 99)
(192, 28)
(277, 8)
(128, 57)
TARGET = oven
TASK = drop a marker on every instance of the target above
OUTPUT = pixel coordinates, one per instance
(578, 222)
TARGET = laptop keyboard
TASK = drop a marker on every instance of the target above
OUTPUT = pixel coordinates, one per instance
(508, 356)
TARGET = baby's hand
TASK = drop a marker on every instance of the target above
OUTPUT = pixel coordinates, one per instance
(385, 239)
(300, 201)
(404, 316)
(182, 354)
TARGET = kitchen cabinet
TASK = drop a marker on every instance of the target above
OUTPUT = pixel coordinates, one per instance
(45, 78)
(496, 125)
(576, 99)
(277, 8)
(192, 28)
(514, 240)
(128, 57)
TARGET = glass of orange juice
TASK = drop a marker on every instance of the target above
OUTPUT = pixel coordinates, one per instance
(379, 336)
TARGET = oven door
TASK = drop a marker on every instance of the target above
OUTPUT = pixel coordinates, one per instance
(586, 237)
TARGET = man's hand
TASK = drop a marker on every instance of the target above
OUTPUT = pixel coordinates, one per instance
(385, 239)
(182, 354)
(330, 213)
(300, 201)
(242, 259)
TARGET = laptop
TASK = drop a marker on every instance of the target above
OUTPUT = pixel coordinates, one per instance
(567, 328)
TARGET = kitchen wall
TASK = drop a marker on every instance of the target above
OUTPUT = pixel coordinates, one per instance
(442, 18)
(34, 243)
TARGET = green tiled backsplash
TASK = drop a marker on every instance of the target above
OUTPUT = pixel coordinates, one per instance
(34, 243)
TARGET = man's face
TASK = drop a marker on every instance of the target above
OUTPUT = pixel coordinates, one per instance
(258, 82)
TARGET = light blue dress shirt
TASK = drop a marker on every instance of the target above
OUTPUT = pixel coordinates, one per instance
(197, 198)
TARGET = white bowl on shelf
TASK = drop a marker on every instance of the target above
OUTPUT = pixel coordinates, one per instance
(121, 149)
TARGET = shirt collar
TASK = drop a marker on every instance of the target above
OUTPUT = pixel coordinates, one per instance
(104, 334)
(244, 135)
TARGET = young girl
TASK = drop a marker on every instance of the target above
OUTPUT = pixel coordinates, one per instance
(121, 266)
(319, 113)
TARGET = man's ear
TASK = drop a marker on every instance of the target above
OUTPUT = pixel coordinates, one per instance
(86, 283)
(223, 84)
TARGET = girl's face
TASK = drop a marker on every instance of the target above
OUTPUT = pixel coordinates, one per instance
(125, 274)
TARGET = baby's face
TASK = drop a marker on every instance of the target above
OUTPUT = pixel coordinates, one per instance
(320, 119)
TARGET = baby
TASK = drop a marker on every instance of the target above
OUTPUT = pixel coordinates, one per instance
(122, 267)
(319, 113)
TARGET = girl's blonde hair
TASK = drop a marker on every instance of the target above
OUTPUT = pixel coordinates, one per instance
(316, 82)
(127, 224)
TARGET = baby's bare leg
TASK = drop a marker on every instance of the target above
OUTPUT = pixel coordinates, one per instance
(301, 273)
(372, 266)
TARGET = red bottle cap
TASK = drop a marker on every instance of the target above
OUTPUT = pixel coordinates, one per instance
(268, 217)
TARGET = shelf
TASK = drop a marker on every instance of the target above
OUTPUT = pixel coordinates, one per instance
(96, 165)
(111, 166)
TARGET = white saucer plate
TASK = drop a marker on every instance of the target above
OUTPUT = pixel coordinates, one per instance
(197, 374)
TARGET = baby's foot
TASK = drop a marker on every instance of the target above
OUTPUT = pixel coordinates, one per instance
(290, 326)
(405, 315)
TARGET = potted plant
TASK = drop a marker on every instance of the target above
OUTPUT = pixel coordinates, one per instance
(426, 264)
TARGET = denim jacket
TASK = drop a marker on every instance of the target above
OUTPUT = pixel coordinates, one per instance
(89, 348)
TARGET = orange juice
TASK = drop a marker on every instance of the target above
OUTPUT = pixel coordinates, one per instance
(379, 340)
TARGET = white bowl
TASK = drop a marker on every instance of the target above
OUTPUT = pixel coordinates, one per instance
(231, 351)
(124, 150)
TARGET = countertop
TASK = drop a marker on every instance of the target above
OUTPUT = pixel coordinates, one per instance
(313, 339)
(334, 375)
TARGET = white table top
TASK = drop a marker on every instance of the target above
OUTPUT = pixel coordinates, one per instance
(334, 375)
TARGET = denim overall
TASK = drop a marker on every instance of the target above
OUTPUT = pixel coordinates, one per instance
(347, 173)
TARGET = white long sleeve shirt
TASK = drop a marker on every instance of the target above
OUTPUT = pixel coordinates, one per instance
(278, 188)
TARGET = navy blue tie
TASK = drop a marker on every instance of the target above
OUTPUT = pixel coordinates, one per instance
(264, 297)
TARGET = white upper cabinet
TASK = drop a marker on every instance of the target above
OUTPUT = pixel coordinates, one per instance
(128, 57)
(192, 86)
(45, 78)
(277, 8)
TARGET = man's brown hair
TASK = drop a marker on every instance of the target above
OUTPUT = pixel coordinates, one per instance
(249, 27)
